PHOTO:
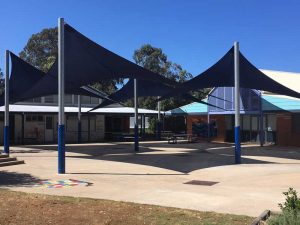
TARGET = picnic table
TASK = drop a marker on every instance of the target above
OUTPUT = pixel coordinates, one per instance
(173, 139)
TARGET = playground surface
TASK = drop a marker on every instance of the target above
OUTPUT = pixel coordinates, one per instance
(198, 176)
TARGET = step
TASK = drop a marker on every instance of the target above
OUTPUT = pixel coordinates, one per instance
(3, 156)
(11, 163)
(8, 159)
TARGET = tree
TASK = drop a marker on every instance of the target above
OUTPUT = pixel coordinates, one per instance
(155, 60)
(41, 49)
(41, 52)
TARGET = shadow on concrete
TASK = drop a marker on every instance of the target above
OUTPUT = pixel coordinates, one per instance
(12, 179)
(133, 174)
(183, 158)
(90, 149)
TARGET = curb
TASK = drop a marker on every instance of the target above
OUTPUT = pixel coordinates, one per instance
(262, 217)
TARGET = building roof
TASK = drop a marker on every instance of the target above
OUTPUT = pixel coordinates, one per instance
(270, 103)
(54, 109)
(288, 79)
(280, 103)
(194, 108)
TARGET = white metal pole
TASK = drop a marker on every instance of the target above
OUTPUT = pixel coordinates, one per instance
(61, 98)
(237, 103)
(136, 120)
(159, 120)
(79, 119)
(6, 101)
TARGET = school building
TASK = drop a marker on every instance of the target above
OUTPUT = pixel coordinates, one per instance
(273, 118)
(35, 121)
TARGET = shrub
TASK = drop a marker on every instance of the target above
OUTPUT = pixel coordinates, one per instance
(290, 210)
(285, 218)
(292, 202)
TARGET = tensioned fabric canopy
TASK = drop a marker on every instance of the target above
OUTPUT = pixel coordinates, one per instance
(85, 63)
(145, 88)
(221, 74)
(28, 82)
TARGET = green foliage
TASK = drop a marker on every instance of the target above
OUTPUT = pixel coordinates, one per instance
(41, 52)
(41, 49)
(1, 74)
(156, 60)
(292, 202)
(290, 210)
(152, 124)
(285, 218)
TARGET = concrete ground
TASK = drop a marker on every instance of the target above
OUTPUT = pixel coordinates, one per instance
(156, 175)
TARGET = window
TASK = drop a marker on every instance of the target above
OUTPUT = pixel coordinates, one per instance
(34, 118)
(49, 99)
(68, 99)
(85, 100)
(94, 100)
(296, 123)
(55, 98)
(38, 100)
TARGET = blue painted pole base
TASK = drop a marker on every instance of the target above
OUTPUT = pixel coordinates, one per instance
(61, 149)
(6, 140)
(79, 132)
(237, 145)
(136, 138)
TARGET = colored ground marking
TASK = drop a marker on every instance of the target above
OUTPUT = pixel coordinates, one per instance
(62, 183)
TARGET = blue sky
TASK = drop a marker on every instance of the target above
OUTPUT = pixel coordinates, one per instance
(193, 33)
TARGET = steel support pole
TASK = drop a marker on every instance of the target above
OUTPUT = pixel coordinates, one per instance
(61, 98)
(6, 100)
(158, 131)
(79, 119)
(136, 118)
(261, 123)
(208, 126)
(237, 103)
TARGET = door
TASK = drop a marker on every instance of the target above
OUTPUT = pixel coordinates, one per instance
(49, 129)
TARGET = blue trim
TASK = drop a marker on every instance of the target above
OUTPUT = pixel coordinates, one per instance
(6, 140)
(136, 138)
(61, 149)
(237, 145)
(79, 132)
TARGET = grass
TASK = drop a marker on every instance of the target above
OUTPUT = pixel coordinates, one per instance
(23, 208)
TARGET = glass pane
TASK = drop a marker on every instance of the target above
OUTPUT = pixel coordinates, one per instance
(68, 99)
(49, 99)
(86, 99)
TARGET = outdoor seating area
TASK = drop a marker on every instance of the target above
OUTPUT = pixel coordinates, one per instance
(173, 139)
